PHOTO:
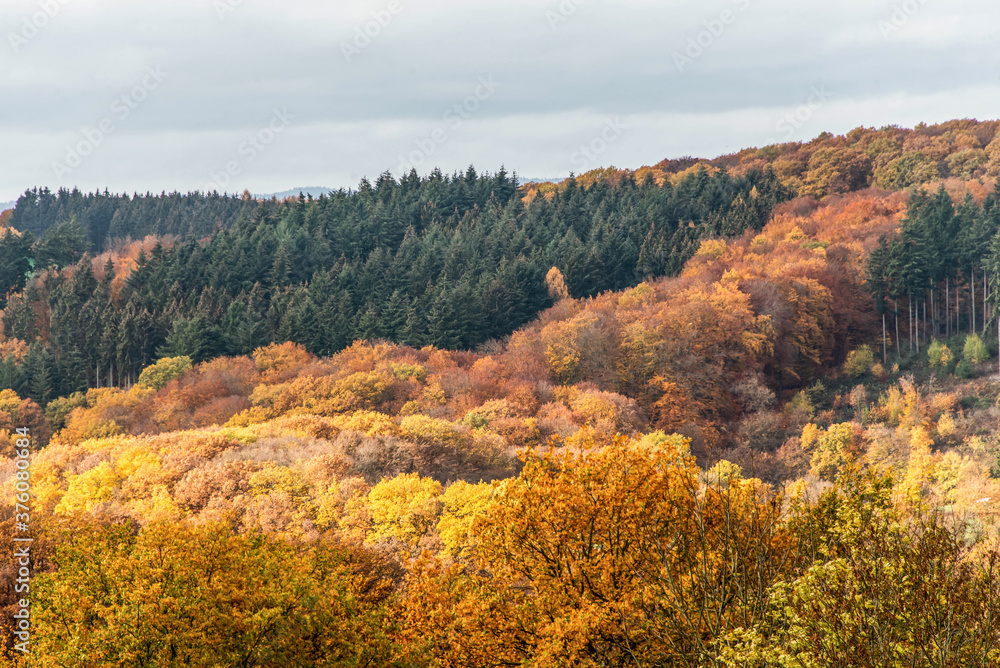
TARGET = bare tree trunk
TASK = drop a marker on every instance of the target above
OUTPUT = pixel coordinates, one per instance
(885, 360)
(958, 312)
(933, 316)
(972, 292)
(898, 354)
(909, 309)
(947, 305)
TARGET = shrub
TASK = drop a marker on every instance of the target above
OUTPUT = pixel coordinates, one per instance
(157, 376)
(974, 351)
(859, 361)
(939, 354)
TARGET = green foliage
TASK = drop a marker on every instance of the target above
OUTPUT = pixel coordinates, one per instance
(801, 403)
(974, 351)
(195, 339)
(416, 260)
(885, 590)
(165, 370)
(58, 409)
(910, 169)
(62, 245)
(938, 354)
(16, 262)
(404, 371)
(859, 361)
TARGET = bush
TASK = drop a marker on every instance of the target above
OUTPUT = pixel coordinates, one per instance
(939, 354)
(974, 351)
(157, 376)
(963, 369)
(859, 361)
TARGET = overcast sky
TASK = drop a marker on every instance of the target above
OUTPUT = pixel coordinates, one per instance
(273, 94)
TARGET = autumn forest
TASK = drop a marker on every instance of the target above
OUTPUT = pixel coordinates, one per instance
(740, 412)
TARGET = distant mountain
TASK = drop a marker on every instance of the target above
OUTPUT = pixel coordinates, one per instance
(7, 205)
(315, 191)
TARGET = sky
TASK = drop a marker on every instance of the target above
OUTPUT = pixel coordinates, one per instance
(268, 95)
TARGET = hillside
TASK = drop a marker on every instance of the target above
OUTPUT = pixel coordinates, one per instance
(662, 417)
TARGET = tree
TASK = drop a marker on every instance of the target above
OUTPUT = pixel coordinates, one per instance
(556, 284)
(195, 339)
(15, 262)
(166, 369)
(38, 373)
(605, 556)
(62, 245)
(974, 350)
(405, 508)
(204, 597)
(886, 589)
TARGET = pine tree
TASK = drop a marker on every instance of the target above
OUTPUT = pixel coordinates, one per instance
(38, 374)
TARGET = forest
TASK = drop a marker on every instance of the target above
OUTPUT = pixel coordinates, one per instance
(741, 412)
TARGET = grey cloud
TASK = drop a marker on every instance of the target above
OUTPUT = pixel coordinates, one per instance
(597, 59)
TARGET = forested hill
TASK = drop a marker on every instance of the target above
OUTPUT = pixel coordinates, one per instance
(447, 261)
(105, 216)
(890, 157)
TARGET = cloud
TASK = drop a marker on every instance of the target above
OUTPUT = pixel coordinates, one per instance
(566, 67)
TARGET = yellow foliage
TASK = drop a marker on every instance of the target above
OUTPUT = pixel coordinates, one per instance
(403, 371)
(641, 295)
(713, 248)
(405, 508)
(946, 425)
(920, 467)
(89, 489)
(462, 503)
(672, 446)
(424, 429)
(556, 284)
(796, 235)
(831, 449)
(370, 423)
(860, 361)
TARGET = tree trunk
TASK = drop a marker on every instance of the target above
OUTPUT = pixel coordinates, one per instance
(898, 354)
(972, 292)
(909, 310)
(933, 320)
(925, 322)
(885, 360)
(947, 305)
